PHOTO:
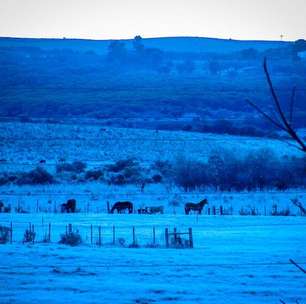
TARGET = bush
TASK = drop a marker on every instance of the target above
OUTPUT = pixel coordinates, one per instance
(190, 174)
(76, 167)
(4, 234)
(94, 174)
(164, 167)
(4, 179)
(29, 236)
(124, 172)
(157, 178)
(71, 238)
(256, 171)
(34, 177)
(121, 165)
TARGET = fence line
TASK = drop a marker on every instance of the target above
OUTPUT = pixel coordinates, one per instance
(211, 210)
(96, 235)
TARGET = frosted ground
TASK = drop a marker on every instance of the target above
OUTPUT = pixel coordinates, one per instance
(235, 260)
(23, 145)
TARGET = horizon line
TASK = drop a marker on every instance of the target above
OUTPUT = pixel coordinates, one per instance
(145, 38)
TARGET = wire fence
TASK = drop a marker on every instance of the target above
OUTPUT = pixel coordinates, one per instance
(96, 235)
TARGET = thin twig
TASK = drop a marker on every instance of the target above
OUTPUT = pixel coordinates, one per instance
(274, 122)
(298, 266)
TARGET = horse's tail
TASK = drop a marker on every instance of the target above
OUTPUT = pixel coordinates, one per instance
(131, 208)
(113, 209)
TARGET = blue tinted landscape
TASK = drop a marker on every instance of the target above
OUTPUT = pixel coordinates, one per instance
(152, 170)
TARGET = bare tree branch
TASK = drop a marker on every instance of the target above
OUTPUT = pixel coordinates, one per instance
(297, 266)
(284, 124)
(292, 105)
(274, 122)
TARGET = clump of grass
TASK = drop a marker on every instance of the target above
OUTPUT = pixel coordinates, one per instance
(29, 236)
(71, 238)
(4, 234)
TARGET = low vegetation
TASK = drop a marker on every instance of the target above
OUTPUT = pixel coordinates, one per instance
(71, 238)
(256, 171)
(223, 171)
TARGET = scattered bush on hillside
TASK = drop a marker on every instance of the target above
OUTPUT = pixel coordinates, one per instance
(257, 170)
(162, 167)
(122, 164)
(35, 177)
(94, 174)
(127, 171)
(157, 178)
(190, 174)
(76, 167)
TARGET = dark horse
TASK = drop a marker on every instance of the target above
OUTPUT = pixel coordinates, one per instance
(69, 207)
(121, 206)
(195, 207)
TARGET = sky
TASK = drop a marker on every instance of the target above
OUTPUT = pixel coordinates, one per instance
(105, 19)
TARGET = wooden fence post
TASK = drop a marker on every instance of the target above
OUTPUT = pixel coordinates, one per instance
(33, 233)
(100, 241)
(154, 238)
(91, 234)
(69, 228)
(114, 236)
(190, 237)
(214, 210)
(11, 234)
(221, 210)
(49, 232)
(134, 236)
(175, 236)
(167, 237)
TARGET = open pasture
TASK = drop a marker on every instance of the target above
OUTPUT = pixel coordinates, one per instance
(235, 260)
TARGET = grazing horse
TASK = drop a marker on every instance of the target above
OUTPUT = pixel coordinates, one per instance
(121, 206)
(195, 207)
(69, 207)
(154, 210)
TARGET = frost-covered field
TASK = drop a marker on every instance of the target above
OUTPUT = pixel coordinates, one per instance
(23, 145)
(235, 260)
(93, 197)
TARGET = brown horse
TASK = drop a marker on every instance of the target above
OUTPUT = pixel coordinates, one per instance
(195, 207)
(121, 206)
(69, 207)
